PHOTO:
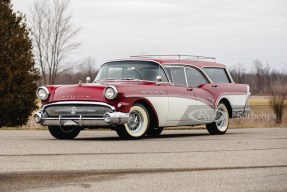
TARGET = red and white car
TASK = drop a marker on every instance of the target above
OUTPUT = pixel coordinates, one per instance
(143, 94)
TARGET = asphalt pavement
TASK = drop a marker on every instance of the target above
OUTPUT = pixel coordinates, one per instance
(177, 160)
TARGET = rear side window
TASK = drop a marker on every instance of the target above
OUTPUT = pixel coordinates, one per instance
(217, 75)
(194, 77)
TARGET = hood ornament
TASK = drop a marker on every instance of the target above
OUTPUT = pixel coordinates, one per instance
(80, 82)
(73, 110)
(88, 79)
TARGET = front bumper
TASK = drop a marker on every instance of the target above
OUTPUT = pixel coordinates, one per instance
(80, 114)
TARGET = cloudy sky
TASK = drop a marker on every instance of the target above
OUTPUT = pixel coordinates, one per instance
(233, 31)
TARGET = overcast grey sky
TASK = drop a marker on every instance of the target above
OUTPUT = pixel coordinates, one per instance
(233, 31)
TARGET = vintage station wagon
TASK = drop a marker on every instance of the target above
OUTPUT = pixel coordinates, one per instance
(143, 94)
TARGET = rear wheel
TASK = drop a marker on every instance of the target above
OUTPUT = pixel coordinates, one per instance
(221, 123)
(137, 125)
(64, 133)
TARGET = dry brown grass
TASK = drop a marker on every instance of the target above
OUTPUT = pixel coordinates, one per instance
(261, 115)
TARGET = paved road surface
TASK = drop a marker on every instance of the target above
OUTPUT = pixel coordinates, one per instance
(189, 160)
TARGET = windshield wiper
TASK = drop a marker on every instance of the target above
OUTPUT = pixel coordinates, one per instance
(104, 79)
(129, 79)
(110, 79)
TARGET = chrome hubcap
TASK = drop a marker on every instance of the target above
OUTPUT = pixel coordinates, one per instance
(135, 121)
(220, 122)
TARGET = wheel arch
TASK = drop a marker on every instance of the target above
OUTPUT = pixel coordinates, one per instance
(227, 104)
(151, 111)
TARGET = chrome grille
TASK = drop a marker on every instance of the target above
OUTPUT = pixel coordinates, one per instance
(77, 109)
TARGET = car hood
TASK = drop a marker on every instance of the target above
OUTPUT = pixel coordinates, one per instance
(83, 92)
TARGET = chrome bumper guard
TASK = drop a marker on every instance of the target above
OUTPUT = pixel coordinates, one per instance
(110, 118)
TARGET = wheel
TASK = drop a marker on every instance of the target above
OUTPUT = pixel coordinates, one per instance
(221, 123)
(64, 133)
(154, 131)
(137, 125)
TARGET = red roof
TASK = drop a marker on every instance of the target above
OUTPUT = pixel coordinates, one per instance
(200, 62)
(197, 63)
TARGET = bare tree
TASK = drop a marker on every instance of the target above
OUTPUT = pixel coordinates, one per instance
(53, 36)
(86, 68)
(262, 73)
(238, 73)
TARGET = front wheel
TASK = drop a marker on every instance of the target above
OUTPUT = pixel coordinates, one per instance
(137, 125)
(154, 131)
(64, 133)
(221, 123)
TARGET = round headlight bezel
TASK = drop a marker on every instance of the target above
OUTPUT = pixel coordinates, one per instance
(40, 95)
(110, 89)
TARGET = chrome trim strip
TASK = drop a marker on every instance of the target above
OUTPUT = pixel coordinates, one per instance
(84, 122)
(241, 110)
(80, 121)
(72, 118)
(78, 102)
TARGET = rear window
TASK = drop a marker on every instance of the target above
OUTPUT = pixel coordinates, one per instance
(217, 75)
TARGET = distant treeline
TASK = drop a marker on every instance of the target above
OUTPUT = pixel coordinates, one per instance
(261, 78)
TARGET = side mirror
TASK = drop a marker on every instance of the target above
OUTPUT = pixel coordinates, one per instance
(158, 80)
(88, 79)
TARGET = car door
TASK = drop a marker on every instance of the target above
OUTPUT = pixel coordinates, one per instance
(205, 112)
(181, 98)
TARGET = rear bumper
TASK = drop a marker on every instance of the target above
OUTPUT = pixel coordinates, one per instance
(109, 118)
(241, 111)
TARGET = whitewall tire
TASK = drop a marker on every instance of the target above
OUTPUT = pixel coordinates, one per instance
(138, 123)
(221, 123)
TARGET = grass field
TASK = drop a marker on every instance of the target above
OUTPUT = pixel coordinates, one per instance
(261, 114)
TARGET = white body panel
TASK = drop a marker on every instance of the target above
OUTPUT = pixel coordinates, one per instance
(160, 104)
(179, 110)
(176, 111)
(204, 112)
(237, 102)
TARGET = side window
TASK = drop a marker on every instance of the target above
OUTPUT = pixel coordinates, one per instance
(169, 73)
(217, 75)
(151, 74)
(163, 75)
(178, 76)
(194, 77)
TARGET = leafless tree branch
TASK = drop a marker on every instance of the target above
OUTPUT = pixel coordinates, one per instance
(53, 35)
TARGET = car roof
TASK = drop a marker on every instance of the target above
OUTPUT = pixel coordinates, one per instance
(199, 62)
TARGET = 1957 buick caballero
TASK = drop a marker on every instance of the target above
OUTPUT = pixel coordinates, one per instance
(143, 94)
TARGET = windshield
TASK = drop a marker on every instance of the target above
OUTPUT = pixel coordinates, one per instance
(129, 70)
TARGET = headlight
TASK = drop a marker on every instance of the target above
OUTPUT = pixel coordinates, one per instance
(42, 93)
(111, 92)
